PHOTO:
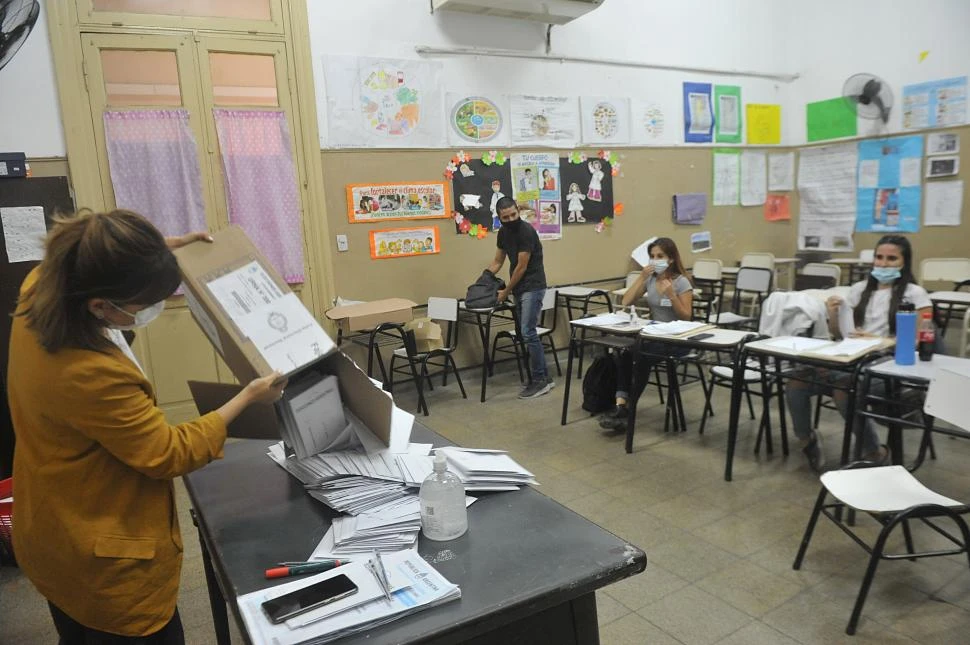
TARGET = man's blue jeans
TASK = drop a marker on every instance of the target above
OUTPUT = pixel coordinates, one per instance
(529, 306)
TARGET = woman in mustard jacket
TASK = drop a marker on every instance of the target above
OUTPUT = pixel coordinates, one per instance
(96, 526)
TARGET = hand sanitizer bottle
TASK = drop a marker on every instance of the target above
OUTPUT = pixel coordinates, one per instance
(633, 314)
(443, 512)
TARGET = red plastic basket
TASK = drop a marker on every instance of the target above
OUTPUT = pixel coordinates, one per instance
(6, 521)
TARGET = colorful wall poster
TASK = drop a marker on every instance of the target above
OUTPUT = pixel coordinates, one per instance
(777, 208)
(764, 123)
(545, 216)
(404, 242)
(942, 143)
(727, 113)
(382, 103)
(935, 104)
(698, 113)
(487, 182)
(827, 197)
(726, 178)
(586, 191)
(404, 200)
(700, 242)
(475, 120)
(830, 119)
(544, 120)
(689, 208)
(605, 119)
(889, 185)
(535, 175)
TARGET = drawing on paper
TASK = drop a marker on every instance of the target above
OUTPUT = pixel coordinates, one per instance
(476, 119)
(389, 106)
(653, 121)
(605, 120)
(886, 210)
(403, 242)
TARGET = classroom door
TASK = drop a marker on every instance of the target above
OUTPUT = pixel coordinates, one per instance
(160, 74)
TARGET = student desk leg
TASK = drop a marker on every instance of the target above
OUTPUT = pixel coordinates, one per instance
(737, 391)
(573, 343)
(217, 601)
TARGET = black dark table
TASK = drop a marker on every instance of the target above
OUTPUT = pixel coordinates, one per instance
(528, 567)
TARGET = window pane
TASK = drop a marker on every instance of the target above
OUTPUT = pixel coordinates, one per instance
(137, 77)
(244, 9)
(243, 79)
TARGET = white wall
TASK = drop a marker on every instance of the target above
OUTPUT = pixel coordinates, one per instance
(696, 33)
(833, 39)
(30, 117)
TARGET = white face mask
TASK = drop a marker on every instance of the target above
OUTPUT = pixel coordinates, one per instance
(139, 318)
(660, 265)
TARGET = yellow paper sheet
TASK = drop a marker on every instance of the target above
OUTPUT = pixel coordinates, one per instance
(764, 123)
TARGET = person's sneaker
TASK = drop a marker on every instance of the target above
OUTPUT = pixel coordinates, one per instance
(814, 452)
(615, 419)
(536, 389)
(550, 383)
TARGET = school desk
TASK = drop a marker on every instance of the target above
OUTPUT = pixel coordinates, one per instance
(483, 319)
(528, 567)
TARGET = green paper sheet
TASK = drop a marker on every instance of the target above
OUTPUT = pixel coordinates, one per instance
(829, 119)
(727, 114)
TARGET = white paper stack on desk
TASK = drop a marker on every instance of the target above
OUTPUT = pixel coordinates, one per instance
(415, 585)
(478, 469)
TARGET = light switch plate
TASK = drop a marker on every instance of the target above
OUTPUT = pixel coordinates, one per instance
(342, 243)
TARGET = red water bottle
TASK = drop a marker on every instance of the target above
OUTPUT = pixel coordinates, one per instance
(927, 337)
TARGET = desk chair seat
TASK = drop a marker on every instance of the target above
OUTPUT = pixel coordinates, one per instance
(892, 497)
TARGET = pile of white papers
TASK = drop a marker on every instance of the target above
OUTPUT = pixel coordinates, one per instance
(673, 328)
(415, 585)
(478, 469)
(356, 495)
(849, 346)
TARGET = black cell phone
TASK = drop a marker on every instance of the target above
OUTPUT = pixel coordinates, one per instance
(699, 336)
(303, 600)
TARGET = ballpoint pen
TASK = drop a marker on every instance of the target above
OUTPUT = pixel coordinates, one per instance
(381, 573)
(302, 568)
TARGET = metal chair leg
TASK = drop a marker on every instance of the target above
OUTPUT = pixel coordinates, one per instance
(812, 521)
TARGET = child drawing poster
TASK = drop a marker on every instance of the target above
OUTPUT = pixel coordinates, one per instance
(405, 200)
(490, 183)
(544, 121)
(404, 242)
(586, 191)
(605, 119)
(535, 175)
(476, 121)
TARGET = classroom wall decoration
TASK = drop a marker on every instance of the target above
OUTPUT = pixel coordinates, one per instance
(727, 178)
(587, 190)
(700, 242)
(536, 183)
(605, 119)
(404, 242)
(827, 197)
(777, 208)
(935, 104)
(727, 114)
(689, 208)
(383, 103)
(544, 120)
(698, 113)
(764, 123)
(477, 190)
(830, 119)
(404, 200)
(889, 185)
(475, 120)
(754, 178)
(781, 171)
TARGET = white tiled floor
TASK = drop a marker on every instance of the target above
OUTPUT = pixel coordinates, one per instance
(719, 553)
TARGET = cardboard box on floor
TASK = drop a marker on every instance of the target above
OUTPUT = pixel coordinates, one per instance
(368, 315)
(235, 295)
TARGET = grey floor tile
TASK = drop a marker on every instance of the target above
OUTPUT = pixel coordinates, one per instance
(634, 630)
(678, 614)
(749, 588)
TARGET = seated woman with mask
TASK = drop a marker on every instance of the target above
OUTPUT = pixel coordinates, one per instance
(670, 296)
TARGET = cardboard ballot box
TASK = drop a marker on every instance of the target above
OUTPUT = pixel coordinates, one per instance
(367, 315)
(258, 326)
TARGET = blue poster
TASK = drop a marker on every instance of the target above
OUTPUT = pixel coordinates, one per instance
(935, 104)
(698, 113)
(889, 182)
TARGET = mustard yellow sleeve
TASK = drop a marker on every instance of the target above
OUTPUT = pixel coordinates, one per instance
(106, 403)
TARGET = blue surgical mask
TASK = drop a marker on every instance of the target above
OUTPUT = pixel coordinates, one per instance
(886, 274)
(139, 318)
(660, 265)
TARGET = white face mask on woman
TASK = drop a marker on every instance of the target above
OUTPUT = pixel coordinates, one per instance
(139, 318)
(659, 265)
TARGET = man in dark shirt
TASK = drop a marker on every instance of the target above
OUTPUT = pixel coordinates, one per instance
(518, 241)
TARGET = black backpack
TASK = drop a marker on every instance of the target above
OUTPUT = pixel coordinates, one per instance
(484, 293)
(599, 385)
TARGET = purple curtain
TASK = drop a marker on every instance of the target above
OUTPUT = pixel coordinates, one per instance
(155, 168)
(261, 185)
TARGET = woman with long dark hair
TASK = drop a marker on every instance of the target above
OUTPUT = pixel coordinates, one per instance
(670, 296)
(874, 302)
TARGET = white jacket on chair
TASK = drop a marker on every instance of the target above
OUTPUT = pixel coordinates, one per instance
(789, 313)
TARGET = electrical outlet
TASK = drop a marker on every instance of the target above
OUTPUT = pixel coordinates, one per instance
(341, 242)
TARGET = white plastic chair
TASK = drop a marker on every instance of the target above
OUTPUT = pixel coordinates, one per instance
(955, 270)
(893, 497)
(759, 260)
(867, 256)
(814, 273)
(546, 333)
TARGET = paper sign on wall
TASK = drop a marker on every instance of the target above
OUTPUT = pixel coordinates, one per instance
(781, 171)
(606, 119)
(405, 200)
(698, 113)
(935, 103)
(404, 242)
(700, 242)
(727, 178)
(777, 208)
(727, 112)
(764, 123)
(830, 119)
(544, 120)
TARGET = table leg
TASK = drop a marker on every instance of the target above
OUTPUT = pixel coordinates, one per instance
(737, 386)
(631, 420)
(850, 416)
(569, 374)
(485, 333)
(894, 438)
(217, 603)
(782, 421)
